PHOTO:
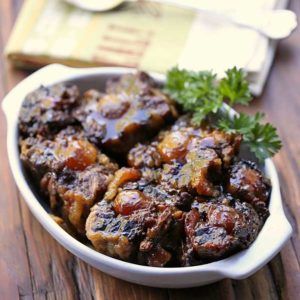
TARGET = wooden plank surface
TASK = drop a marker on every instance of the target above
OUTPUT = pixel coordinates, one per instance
(34, 266)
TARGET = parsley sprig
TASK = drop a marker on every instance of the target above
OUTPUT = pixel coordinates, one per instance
(202, 95)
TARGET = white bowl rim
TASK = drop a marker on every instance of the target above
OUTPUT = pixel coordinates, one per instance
(55, 73)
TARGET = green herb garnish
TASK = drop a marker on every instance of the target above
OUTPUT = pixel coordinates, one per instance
(262, 139)
(202, 95)
(235, 87)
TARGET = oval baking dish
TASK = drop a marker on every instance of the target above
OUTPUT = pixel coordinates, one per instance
(274, 234)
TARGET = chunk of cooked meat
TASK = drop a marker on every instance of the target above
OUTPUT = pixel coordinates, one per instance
(115, 235)
(198, 155)
(165, 225)
(152, 209)
(161, 191)
(161, 243)
(200, 172)
(224, 144)
(69, 148)
(47, 110)
(121, 118)
(143, 233)
(170, 145)
(72, 172)
(122, 176)
(144, 155)
(247, 183)
(217, 228)
(72, 193)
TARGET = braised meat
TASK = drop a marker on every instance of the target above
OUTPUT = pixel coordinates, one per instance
(161, 192)
(180, 195)
(168, 145)
(115, 235)
(72, 172)
(131, 110)
(144, 155)
(69, 148)
(180, 140)
(47, 110)
(156, 224)
(190, 158)
(217, 228)
(248, 183)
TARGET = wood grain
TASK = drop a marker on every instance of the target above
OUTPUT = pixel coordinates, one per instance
(34, 266)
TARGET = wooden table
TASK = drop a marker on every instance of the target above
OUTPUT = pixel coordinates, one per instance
(33, 265)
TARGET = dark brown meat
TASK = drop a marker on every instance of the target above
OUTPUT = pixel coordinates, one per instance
(144, 155)
(152, 211)
(72, 193)
(115, 235)
(248, 183)
(162, 193)
(217, 228)
(190, 158)
(224, 144)
(69, 148)
(47, 110)
(170, 145)
(160, 246)
(72, 172)
(122, 117)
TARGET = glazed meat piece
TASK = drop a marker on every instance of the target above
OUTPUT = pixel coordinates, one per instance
(47, 110)
(217, 228)
(152, 213)
(115, 235)
(162, 193)
(164, 226)
(122, 117)
(72, 193)
(200, 172)
(71, 171)
(160, 246)
(184, 143)
(133, 228)
(168, 146)
(226, 145)
(248, 183)
(69, 148)
(144, 155)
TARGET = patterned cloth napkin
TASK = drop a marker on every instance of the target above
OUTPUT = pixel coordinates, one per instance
(149, 36)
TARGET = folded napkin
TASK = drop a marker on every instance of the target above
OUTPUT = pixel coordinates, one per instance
(149, 36)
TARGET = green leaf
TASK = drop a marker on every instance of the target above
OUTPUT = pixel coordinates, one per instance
(235, 87)
(262, 139)
(195, 91)
(239, 123)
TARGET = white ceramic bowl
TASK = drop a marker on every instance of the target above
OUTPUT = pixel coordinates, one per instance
(274, 234)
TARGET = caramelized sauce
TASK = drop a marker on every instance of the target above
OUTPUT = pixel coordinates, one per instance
(129, 201)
